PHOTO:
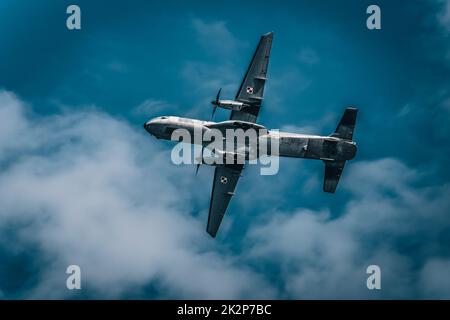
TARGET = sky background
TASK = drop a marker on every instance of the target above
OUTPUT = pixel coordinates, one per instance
(81, 182)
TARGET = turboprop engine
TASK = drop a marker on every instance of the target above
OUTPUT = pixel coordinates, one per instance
(226, 104)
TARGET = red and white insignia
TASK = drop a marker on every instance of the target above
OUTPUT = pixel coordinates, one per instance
(250, 90)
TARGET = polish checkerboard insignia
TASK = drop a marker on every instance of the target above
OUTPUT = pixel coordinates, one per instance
(250, 90)
(223, 179)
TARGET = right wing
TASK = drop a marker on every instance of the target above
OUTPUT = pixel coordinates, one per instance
(251, 90)
(224, 184)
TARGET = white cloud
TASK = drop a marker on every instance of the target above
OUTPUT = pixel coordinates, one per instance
(215, 37)
(325, 255)
(446, 104)
(88, 189)
(151, 107)
(444, 15)
(308, 56)
(93, 191)
(435, 278)
(204, 80)
(289, 83)
(322, 126)
(13, 124)
(117, 66)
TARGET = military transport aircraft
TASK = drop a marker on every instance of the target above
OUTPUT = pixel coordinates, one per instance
(334, 150)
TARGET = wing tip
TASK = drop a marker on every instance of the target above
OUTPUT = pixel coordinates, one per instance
(211, 233)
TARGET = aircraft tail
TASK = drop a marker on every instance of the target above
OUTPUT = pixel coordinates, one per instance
(333, 169)
(346, 126)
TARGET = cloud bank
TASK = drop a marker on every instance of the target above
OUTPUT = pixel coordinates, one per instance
(82, 187)
(388, 222)
(90, 190)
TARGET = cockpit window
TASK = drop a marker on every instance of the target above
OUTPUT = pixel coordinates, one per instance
(169, 130)
(163, 117)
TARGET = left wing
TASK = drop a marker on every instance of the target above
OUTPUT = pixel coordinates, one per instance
(224, 184)
(251, 91)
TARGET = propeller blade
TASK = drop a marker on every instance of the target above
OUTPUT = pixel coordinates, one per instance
(196, 170)
(201, 160)
(213, 112)
(215, 103)
(217, 100)
(218, 96)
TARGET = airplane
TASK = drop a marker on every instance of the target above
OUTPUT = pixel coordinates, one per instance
(334, 150)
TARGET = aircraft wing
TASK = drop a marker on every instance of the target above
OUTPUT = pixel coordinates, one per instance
(251, 91)
(224, 184)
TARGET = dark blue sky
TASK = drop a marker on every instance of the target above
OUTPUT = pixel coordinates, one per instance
(138, 59)
(126, 54)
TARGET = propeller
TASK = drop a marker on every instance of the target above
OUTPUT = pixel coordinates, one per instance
(215, 103)
(200, 162)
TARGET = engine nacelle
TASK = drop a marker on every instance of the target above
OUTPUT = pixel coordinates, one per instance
(223, 158)
(231, 105)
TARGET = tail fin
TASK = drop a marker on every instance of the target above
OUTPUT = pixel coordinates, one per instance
(346, 126)
(333, 169)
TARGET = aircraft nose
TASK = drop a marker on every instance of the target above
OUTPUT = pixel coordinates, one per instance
(150, 127)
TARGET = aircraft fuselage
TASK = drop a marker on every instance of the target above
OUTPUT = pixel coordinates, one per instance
(294, 145)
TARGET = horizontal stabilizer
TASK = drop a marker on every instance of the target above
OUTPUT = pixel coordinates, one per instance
(333, 171)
